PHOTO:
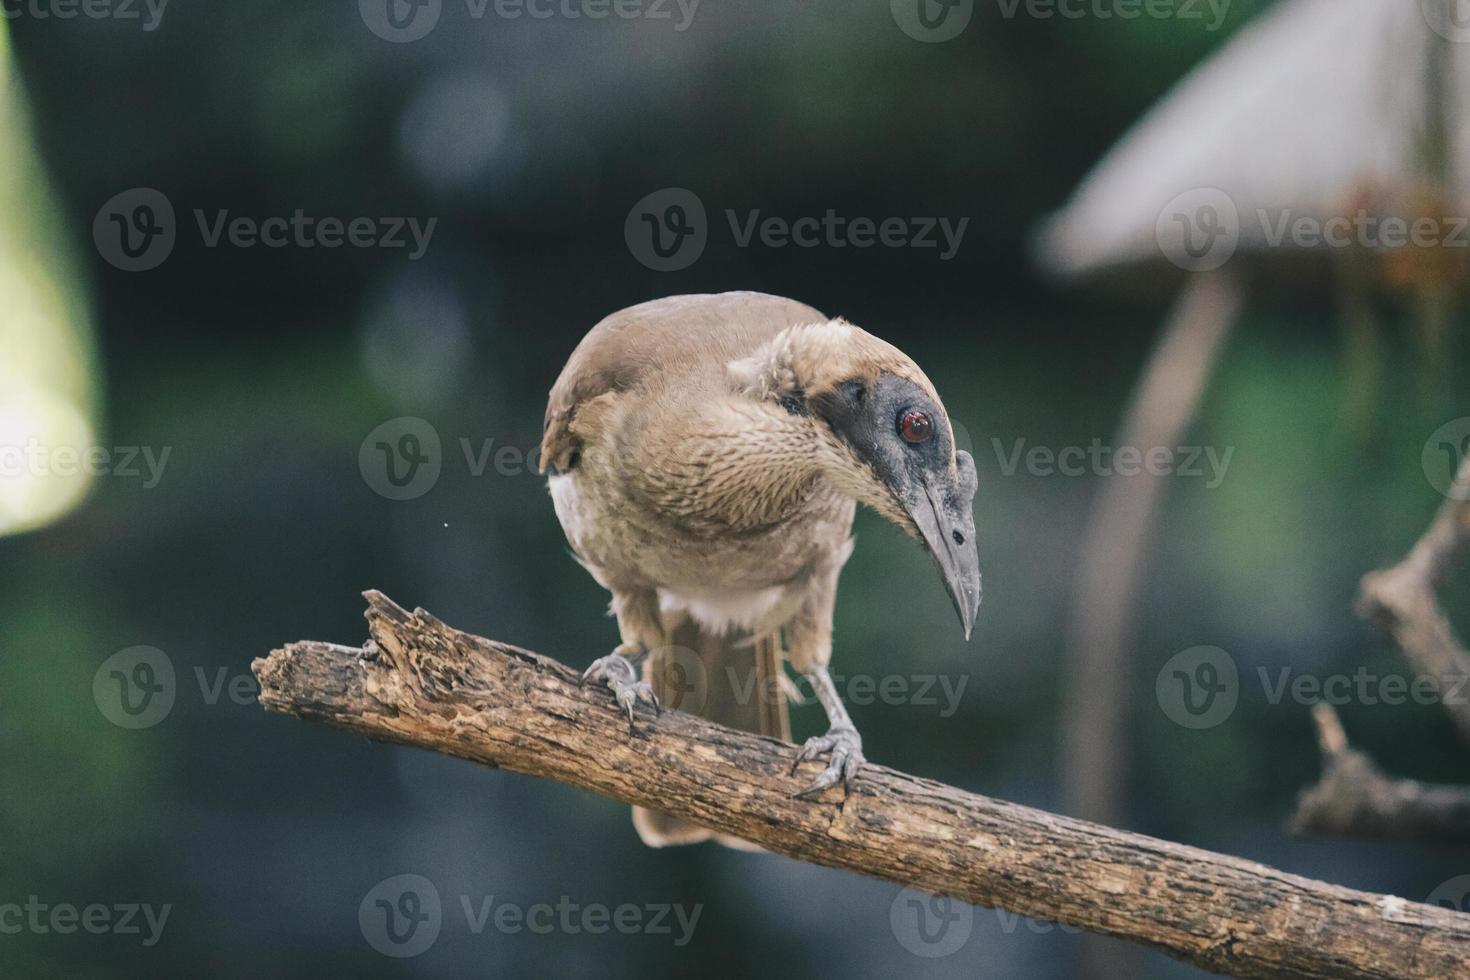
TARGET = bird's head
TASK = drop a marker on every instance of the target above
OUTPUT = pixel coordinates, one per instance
(883, 436)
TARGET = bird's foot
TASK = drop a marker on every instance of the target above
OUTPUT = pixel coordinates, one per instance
(844, 745)
(616, 671)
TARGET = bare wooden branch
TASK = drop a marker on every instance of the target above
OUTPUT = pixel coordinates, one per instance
(418, 682)
(1402, 600)
(1355, 798)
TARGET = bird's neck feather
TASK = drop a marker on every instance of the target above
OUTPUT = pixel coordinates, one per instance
(738, 463)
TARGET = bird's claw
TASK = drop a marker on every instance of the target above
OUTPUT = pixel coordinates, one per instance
(630, 694)
(617, 673)
(845, 746)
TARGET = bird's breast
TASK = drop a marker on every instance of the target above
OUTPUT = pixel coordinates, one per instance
(721, 580)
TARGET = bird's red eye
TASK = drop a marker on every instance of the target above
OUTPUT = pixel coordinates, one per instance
(915, 426)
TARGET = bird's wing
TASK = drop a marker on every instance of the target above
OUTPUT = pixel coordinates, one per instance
(686, 337)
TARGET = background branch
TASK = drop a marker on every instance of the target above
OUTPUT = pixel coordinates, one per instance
(1402, 600)
(419, 682)
(1354, 798)
(1112, 565)
(1120, 532)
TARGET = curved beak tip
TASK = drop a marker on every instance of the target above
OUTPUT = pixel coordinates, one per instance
(968, 609)
(961, 572)
(948, 532)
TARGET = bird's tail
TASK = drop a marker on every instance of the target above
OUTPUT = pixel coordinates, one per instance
(733, 679)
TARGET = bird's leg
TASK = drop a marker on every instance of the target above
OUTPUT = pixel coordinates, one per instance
(616, 670)
(842, 741)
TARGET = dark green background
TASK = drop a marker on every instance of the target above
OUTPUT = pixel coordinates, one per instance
(265, 833)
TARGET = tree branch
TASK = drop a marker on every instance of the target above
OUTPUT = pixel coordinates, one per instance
(1402, 600)
(1119, 535)
(418, 682)
(1355, 798)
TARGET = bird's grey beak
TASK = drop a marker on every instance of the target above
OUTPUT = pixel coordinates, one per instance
(943, 512)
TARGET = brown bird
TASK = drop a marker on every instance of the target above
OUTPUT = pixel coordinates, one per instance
(707, 454)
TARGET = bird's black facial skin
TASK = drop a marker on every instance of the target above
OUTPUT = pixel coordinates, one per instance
(936, 496)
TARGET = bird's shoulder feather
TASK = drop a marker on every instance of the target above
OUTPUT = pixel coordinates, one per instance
(682, 341)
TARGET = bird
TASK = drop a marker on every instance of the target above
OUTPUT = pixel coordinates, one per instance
(705, 456)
